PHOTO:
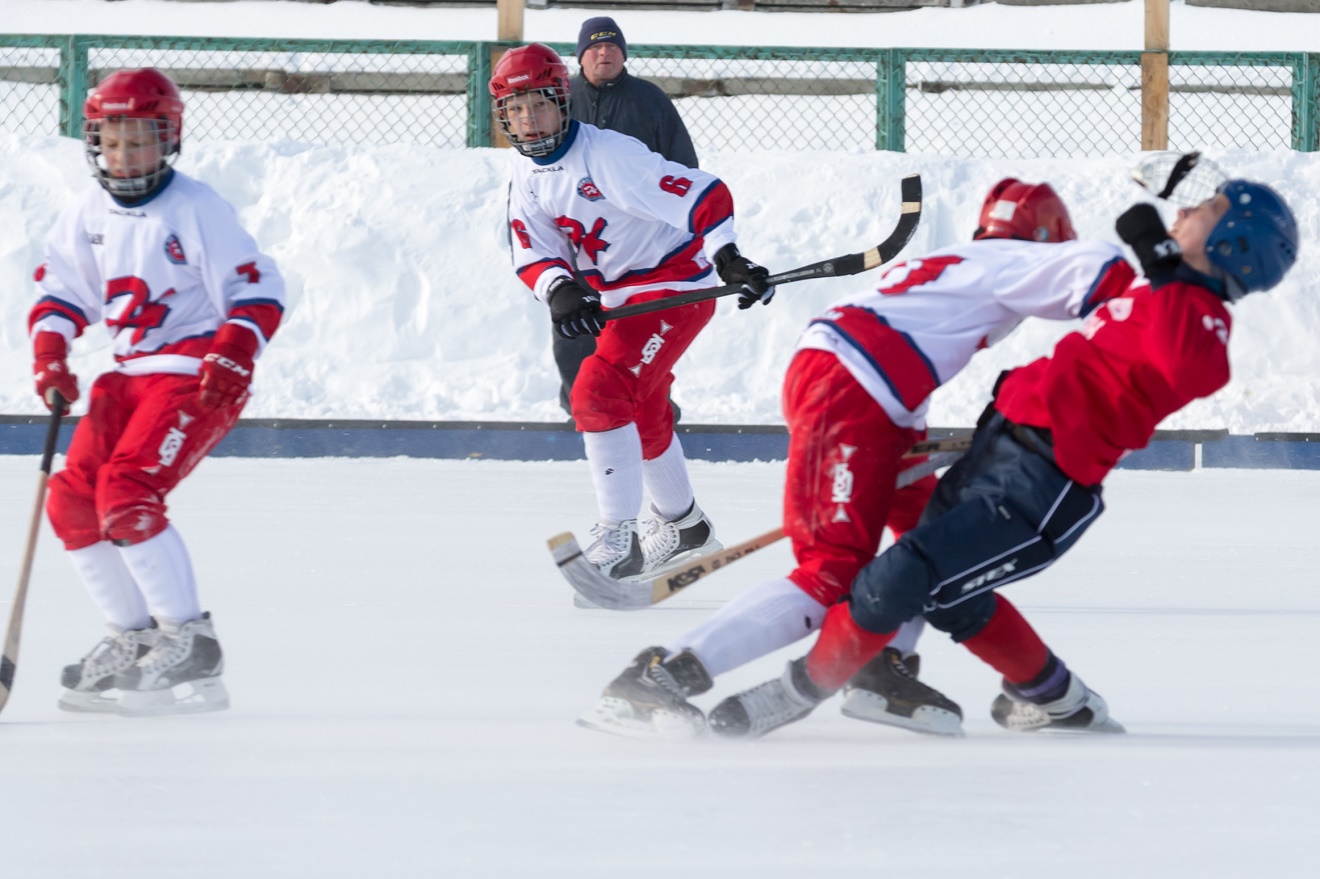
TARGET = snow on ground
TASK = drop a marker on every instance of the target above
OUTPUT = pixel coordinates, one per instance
(405, 666)
(402, 303)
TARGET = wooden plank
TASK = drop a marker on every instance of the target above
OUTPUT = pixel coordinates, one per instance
(1154, 100)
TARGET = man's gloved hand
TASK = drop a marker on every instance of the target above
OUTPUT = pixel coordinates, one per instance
(50, 352)
(226, 370)
(734, 268)
(574, 309)
(1141, 228)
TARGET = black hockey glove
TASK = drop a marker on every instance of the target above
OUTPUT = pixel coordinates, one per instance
(1142, 229)
(574, 309)
(734, 268)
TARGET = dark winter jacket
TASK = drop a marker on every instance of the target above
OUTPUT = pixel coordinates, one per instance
(634, 107)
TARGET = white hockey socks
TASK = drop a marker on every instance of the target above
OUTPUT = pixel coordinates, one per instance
(666, 479)
(111, 585)
(164, 573)
(758, 621)
(905, 642)
(615, 460)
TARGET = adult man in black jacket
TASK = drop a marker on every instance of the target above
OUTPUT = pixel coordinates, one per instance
(604, 94)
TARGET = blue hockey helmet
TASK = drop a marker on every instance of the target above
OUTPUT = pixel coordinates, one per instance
(1255, 243)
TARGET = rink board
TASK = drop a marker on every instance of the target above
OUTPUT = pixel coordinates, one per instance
(519, 441)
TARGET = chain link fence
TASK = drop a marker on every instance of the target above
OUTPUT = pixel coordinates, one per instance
(946, 102)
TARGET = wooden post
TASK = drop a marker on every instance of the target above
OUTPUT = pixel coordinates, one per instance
(508, 28)
(1155, 78)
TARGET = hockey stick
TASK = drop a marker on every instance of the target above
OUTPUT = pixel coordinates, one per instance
(851, 264)
(958, 444)
(642, 592)
(9, 661)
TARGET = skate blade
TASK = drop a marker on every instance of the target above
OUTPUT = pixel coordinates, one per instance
(608, 716)
(192, 697)
(88, 703)
(673, 564)
(927, 719)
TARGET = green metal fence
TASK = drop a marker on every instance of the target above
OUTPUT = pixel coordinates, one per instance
(941, 101)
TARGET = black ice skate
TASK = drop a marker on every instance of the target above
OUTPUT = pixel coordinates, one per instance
(1080, 709)
(887, 691)
(89, 685)
(649, 700)
(617, 550)
(768, 706)
(667, 543)
(180, 675)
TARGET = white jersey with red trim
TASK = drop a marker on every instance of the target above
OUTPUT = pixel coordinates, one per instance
(164, 275)
(628, 219)
(927, 317)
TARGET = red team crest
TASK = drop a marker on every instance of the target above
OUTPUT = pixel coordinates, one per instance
(174, 250)
(589, 190)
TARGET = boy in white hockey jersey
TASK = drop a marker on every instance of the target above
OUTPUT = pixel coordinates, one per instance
(190, 303)
(855, 399)
(636, 227)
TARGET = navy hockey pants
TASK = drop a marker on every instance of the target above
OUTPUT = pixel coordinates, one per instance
(1003, 512)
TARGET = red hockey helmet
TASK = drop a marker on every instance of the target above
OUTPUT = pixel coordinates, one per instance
(1026, 211)
(138, 110)
(533, 69)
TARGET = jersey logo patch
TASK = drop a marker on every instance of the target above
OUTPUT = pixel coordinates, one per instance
(174, 250)
(588, 190)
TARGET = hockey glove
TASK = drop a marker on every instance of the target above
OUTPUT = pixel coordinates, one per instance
(1141, 228)
(49, 365)
(574, 309)
(226, 370)
(734, 268)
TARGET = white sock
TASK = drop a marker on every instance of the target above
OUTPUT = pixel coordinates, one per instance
(758, 621)
(615, 459)
(667, 481)
(164, 573)
(905, 642)
(111, 585)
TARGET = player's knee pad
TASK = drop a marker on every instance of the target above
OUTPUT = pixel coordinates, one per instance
(129, 510)
(71, 508)
(601, 398)
(892, 589)
(962, 621)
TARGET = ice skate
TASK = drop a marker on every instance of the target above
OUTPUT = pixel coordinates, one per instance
(887, 691)
(768, 706)
(1080, 709)
(649, 700)
(617, 550)
(89, 685)
(180, 675)
(666, 543)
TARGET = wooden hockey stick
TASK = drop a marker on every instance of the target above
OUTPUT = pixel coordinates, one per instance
(9, 661)
(637, 593)
(948, 444)
(851, 264)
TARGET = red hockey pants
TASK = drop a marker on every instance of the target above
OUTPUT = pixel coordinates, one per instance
(140, 437)
(627, 380)
(844, 455)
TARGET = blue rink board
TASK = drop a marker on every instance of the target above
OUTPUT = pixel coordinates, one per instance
(260, 438)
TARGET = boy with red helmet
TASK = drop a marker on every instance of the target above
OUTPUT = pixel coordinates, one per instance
(1030, 485)
(636, 227)
(855, 399)
(190, 302)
